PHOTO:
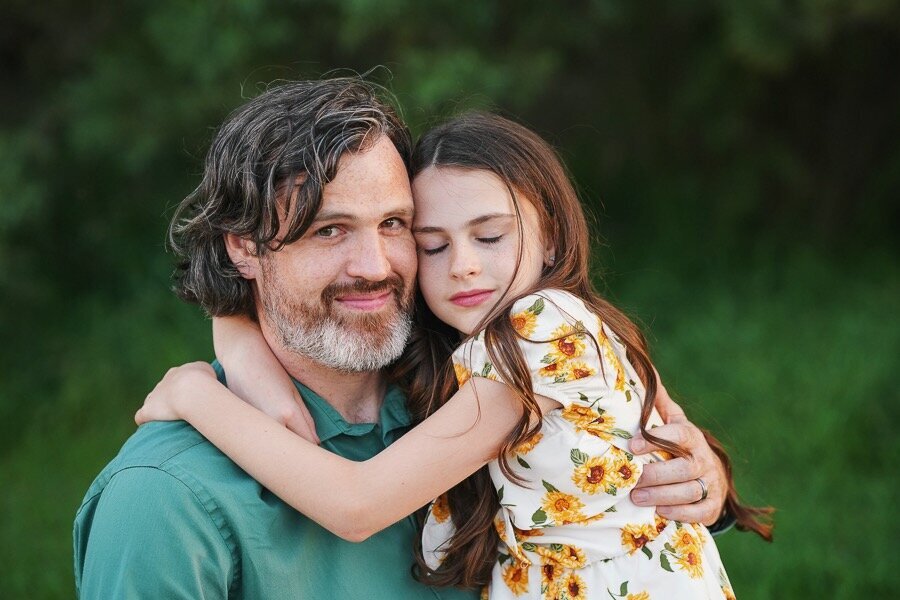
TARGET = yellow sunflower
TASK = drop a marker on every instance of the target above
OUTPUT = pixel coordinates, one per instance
(691, 562)
(587, 419)
(524, 534)
(574, 588)
(562, 508)
(660, 522)
(684, 540)
(462, 374)
(591, 519)
(550, 576)
(529, 444)
(524, 322)
(569, 345)
(515, 575)
(634, 537)
(440, 509)
(485, 593)
(554, 370)
(595, 474)
(700, 530)
(613, 359)
(639, 596)
(624, 473)
(570, 557)
(728, 593)
(575, 370)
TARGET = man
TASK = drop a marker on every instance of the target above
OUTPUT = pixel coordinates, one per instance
(301, 221)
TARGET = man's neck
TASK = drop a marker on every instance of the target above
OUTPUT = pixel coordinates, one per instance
(356, 396)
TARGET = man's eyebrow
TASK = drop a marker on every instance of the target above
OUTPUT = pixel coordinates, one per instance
(332, 215)
(472, 223)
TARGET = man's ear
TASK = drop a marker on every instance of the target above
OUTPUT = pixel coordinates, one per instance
(242, 253)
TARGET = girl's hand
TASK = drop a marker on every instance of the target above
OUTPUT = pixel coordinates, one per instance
(178, 385)
(255, 375)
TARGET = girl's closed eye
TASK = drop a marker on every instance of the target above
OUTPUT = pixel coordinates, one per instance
(434, 250)
(490, 240)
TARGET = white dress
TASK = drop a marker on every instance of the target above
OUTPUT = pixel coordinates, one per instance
(571, 531)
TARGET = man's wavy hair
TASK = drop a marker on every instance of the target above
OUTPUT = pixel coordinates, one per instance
(270, 161)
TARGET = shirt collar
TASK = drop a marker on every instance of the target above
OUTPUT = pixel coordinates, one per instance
(329, 422)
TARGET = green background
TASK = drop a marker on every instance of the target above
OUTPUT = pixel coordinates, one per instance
(740, 160)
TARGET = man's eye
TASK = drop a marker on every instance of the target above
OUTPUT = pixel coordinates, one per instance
(433, 251)
(394, 223)
(490, 240)
(327, 232)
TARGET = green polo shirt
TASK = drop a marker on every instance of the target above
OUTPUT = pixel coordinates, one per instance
(172, 517)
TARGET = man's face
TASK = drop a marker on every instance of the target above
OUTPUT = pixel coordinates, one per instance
(342, 295)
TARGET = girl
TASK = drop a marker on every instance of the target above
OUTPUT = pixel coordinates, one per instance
(547, 384)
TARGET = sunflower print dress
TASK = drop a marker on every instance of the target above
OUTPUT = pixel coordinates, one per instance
(571, 532)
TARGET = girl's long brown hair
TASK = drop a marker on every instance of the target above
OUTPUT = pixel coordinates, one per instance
(532, 171)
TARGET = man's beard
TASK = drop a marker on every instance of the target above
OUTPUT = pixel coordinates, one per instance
(352, 343)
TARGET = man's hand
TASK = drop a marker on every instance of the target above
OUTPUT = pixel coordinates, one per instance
(672, 485)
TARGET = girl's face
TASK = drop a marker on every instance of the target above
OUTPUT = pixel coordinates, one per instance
(467, 235)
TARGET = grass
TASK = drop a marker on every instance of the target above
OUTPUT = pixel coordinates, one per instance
(794, 362)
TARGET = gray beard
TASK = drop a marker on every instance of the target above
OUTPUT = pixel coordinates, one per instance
(343, 348)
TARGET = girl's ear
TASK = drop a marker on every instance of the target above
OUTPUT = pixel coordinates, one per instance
(242, 253)
(549, 254)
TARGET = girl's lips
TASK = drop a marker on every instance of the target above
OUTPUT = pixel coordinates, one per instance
(365, 301)
(472, 298)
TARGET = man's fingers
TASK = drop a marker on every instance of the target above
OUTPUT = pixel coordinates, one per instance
(676, 470)
(683, 434)
(706, 512)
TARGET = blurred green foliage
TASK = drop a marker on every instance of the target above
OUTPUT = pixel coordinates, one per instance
(747, 156)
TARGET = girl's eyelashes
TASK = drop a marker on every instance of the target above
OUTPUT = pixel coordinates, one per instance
(439, 249)
(433, 251)
(490, 240)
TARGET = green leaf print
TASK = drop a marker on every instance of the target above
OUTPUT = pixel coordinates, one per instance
(486, 370)
(529, 547)
(500, 494)
(582, 397)
(627, 395)
(503, 558)
(620, 433)
(578, 457)
(556, 547)
(549, 486)
(612, 490)
(539, 517)
(624, 589)
(536, 308)
(522, 462)
(647, 551)
(664, 563)
(670, 548)
(548, 359)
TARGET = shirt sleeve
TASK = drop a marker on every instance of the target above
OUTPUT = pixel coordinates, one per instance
(147, 535)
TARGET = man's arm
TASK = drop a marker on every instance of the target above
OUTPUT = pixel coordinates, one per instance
(149, 536)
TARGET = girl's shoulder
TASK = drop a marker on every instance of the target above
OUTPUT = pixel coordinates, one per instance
(537, 314)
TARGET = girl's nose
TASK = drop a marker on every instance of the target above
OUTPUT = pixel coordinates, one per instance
(464, 263)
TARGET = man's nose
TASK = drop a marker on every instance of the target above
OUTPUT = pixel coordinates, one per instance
(464, 262)
(370, 259)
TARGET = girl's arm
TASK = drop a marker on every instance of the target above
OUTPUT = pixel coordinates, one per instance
(353, 500)
(256, 376)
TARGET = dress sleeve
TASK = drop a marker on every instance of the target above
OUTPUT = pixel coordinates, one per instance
(572, 358)
(436, 532)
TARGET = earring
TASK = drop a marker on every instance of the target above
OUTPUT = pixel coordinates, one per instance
(551, 260)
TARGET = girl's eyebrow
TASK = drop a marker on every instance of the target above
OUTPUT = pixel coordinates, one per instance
(471, 223)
